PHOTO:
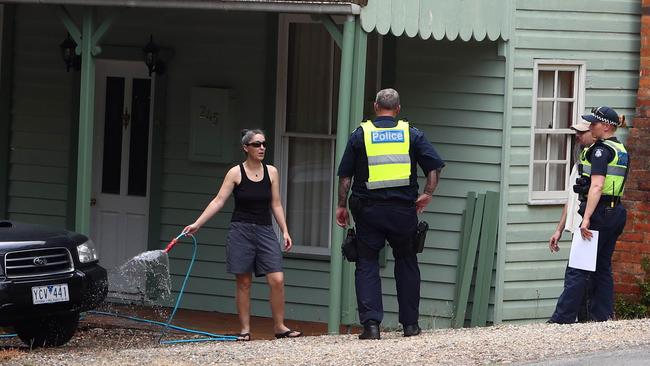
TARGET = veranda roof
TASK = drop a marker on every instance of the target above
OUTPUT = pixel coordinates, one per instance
(288, 6)
(438, 19)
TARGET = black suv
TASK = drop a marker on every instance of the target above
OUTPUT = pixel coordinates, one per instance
(47, 277)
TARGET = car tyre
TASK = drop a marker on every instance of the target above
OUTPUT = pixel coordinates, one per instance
(48, 332)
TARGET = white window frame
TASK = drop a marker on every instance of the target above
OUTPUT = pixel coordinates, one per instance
(579, 85)
(281, 136)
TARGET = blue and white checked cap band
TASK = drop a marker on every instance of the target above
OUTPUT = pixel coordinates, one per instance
(602, 114)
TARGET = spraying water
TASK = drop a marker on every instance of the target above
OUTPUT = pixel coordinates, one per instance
(145, 275)
(155, 265)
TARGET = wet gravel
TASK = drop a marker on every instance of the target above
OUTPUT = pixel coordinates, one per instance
(501, 344)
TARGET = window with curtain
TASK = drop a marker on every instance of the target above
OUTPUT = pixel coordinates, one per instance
(558, 92)
(308, 78)
(308, 135)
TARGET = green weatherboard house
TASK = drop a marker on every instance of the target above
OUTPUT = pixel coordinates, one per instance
(129, 153)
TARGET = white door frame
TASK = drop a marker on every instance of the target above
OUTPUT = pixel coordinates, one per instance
(128, 70)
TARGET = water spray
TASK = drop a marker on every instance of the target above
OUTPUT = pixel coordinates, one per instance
(167, 325)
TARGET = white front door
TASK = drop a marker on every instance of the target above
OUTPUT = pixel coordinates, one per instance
(121, 165)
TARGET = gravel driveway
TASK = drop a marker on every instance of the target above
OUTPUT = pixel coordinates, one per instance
(477, 346)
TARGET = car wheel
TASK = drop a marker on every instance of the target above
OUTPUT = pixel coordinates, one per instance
(48, 332)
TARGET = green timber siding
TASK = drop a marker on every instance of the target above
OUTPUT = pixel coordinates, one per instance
(454, 92)
(604, 34)
(40, 122)
(7, 17)
(210, 48)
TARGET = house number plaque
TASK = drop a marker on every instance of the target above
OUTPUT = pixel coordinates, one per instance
(212, 132)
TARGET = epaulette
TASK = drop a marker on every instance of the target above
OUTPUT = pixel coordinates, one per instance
(599, 143)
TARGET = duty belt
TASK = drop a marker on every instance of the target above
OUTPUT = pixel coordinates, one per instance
(403, 203)
(609, 200)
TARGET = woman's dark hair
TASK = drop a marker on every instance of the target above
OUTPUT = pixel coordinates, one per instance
(247, 135)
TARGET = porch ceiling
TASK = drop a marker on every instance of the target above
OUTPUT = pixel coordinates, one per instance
(284, 6)
(438, 19)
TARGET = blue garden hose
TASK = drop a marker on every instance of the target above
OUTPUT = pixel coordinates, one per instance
(167, 325)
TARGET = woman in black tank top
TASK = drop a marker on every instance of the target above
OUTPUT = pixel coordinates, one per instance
(252, 245)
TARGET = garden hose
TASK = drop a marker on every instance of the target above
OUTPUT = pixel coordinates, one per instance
(167, 325)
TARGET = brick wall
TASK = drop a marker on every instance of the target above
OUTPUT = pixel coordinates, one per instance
(635, 241)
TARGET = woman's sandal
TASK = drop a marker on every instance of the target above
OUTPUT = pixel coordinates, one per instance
(289, 334)
(243, 337)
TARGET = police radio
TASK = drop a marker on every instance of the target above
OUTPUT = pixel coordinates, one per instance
(582, 187)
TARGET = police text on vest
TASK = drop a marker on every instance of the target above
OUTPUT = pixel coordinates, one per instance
(387, 136)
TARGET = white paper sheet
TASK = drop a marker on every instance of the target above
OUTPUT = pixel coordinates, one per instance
(583, 252)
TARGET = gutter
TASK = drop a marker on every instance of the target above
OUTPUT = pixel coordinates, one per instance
(309, 7)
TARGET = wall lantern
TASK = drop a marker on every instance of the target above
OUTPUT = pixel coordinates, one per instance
(151, 58)
(68, 52)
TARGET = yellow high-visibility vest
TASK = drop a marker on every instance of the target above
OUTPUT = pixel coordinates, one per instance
(389, 162)
(616, 169)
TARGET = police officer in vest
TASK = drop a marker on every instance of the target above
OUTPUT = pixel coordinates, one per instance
(603, 172)
(379, 164)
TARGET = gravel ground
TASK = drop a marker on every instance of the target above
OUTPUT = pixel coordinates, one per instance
(477, 346)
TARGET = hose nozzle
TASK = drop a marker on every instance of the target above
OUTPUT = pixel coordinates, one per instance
(171, 245)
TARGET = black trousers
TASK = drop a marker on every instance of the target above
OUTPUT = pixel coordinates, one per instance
(599, 284)
(377, 223)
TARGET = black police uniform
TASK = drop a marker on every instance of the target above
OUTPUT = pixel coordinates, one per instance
(386, 214)
(609, 220)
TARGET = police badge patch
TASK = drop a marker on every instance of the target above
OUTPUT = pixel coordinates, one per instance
(598, 153)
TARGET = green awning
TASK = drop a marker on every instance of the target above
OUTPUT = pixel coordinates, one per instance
(439, 19)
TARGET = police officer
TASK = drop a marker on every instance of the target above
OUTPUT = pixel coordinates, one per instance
(379, 164)
(604, 169)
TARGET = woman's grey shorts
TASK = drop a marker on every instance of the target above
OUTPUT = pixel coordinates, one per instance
(252, 248)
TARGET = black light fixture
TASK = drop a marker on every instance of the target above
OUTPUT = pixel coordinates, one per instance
(68, 52)
(151, 58)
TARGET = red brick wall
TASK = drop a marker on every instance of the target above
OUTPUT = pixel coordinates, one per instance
(635, 241)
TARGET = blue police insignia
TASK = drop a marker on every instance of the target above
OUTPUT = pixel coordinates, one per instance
(378, 137)
(598, 153)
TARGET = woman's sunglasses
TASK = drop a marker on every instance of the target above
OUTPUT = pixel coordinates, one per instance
(257, 144)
